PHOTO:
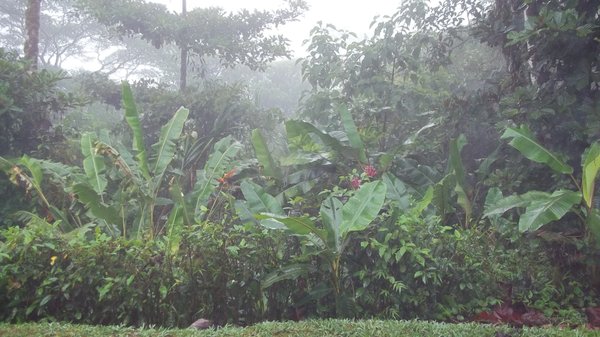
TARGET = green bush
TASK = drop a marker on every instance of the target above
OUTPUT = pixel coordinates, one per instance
(86, 276)
(415, 268)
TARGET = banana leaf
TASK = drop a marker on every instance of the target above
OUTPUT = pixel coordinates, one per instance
(396, 190)
(593, 223)
(442, 195)
(289, 272)
(352, 133)
(297, 225)
(133, 120)
(363, 207)
(93, 164)
(543, 211)
(495, 207)
(331, 216)
(523, 140)
(164, 149)
(456, 166)
(264, 155)
(296, 129)
(258, 200)
(218, 163)
(92, 201)
(591, 165)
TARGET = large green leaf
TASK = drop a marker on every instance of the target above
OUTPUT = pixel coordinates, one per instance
(289, 272)
(263, 154)
(524, 141)
(416, 176)
(164, 149)
(498, 206)
(442, 195)
(122, 160)
(218, 163)
(542, 211)
(91, 200)
(298, 225)
(295, 129)
(258, 200)
(363, 207)
(458, 169)
(352, 133)
(133, 120)
(396, 190)
(591, 165)
(93, 164)
(331, 216)
(593, 223)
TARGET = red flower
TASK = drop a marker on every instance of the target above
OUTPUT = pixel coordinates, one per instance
(355, 182)
(370, 171)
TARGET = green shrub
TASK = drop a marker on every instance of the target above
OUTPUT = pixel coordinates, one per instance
(86, 276)
(416, 268)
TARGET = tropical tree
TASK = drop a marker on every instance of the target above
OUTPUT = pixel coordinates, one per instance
(238, 38)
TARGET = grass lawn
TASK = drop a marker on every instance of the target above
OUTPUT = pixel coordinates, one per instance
(318, 328)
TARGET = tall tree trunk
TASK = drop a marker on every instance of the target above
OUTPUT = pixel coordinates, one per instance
(32, 26)
(184, 53)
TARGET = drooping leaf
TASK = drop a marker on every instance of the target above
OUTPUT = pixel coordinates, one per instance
(164, 149)
(500, 206)
(396, 190)
(523, 140)
(289, 272)
(363, 207)
(591, 165)
(258, 200)
(352, 133)
(122, 160)
(295, 129)
(297, 225)
(424, 202)
(331, 216)
(416, 176)
(133, 120)
(542, 211)
(91, 200)
(19, 177)
(263, 154)
(93, 164)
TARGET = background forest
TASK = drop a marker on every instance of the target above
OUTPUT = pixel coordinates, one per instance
(443, 168)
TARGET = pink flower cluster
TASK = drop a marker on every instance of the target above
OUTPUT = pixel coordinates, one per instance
(369, 170)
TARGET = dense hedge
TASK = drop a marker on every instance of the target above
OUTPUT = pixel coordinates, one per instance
(411, 268)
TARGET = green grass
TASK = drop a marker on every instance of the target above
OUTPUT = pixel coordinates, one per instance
(318, 328)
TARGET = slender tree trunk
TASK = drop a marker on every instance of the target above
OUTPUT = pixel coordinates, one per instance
(184, 53)
(32, 27)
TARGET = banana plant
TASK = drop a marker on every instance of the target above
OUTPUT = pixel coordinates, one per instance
(312, 154)
(330, 238)
(542, 208)
(454, 184)
(32, 175)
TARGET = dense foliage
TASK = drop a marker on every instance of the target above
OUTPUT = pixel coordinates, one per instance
(426, 179)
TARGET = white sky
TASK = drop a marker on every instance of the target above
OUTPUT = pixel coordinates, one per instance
(352, 15)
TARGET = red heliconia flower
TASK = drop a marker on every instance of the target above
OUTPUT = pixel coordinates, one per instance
(355, 182)
(370, 171)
